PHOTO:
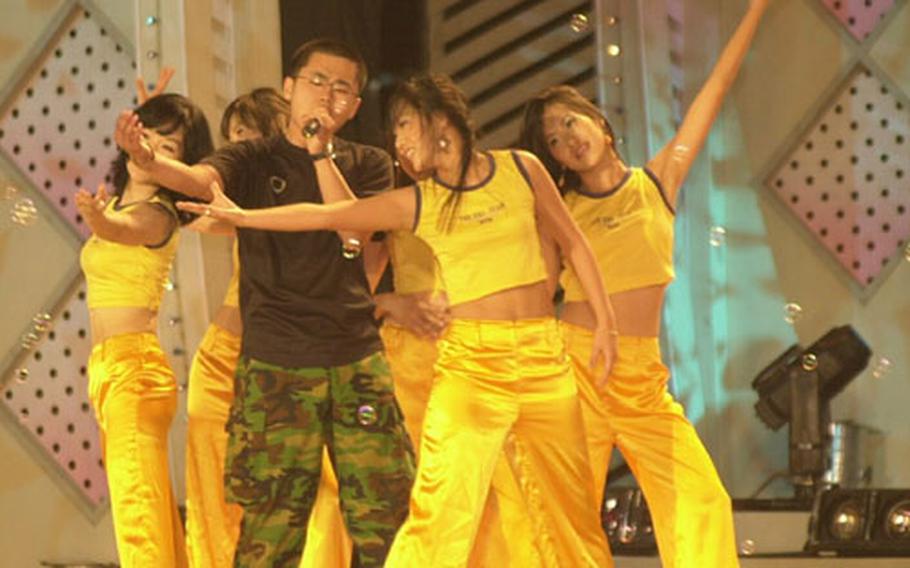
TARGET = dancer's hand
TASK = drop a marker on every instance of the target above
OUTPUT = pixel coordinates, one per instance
(221, 207)
(129, 136)
(91, 207)
(164, 77)
(604, 351)
(423, 314)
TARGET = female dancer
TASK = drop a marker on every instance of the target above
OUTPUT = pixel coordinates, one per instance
(627, 214)
(501, 377)
(131, 386)
(212, 524)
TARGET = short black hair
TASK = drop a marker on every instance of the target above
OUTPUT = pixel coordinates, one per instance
(331, 47)
(167, 114)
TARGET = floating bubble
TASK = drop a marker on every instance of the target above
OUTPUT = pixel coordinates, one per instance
(579, 23)
(792, 312)
(21, 375)
(810, 362)
(9, 192)
(30, 339)
(881, 367)
(718, 236)
(747, 547)
(351, 248)
(24, 212)
(366, 415)
(41, 323)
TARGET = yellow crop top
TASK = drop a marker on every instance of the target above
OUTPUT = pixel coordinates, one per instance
(128, 276)
(232, 296)
(413, 264)
(630, 229)
(492, 243)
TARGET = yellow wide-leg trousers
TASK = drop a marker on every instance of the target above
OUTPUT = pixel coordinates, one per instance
(502, 387)
(212, 524)
(134, 395)
(690, 509)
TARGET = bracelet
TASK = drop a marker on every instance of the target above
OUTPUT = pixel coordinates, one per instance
(329, 152)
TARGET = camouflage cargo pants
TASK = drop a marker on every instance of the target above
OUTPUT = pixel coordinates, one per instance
(278, 424)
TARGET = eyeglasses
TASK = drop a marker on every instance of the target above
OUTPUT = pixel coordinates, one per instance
(339, 89)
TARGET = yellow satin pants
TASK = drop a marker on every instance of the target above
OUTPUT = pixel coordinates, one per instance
(504, 538)
(134, 395)
(502, 387)
(212, 524)
(690, 509)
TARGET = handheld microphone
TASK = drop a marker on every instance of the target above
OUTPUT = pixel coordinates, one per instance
(311, 128)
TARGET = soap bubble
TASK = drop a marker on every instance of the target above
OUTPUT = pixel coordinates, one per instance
(718, 236)
(366, 415)
(24, 212)
(579, 23)
(792, 312)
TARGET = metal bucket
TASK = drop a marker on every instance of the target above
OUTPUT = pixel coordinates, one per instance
(855, 456)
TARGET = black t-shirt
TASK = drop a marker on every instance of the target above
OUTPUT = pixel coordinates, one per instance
(302, 303)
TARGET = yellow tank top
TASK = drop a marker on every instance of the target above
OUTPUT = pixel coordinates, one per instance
(232, 296)
(492, 242)
(413, 264)
(630, 229)
(128, 276)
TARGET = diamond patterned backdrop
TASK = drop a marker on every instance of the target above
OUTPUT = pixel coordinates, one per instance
(847, 181)
(56, 128)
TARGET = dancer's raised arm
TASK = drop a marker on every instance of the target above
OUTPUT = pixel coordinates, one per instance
(673, 162)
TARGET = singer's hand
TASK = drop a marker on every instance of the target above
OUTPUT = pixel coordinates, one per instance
(317, 143)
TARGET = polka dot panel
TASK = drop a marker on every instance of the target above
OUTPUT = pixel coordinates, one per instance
(860, 17)
(848, 180)
(48, 392)
(58, 127)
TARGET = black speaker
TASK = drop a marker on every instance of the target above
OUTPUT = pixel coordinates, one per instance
(860, 522)
(627, 522)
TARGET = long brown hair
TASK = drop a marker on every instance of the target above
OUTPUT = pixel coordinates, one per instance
(432, 94)
(533, 138)
(263, 108)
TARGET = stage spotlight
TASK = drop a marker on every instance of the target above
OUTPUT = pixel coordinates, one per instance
(868, 522)
(838, 356)
(796, 388)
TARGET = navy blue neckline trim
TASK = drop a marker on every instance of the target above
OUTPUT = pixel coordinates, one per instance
(521, 168)
(484, 182)
(610, 191)
(417, 209)
(660, 189)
